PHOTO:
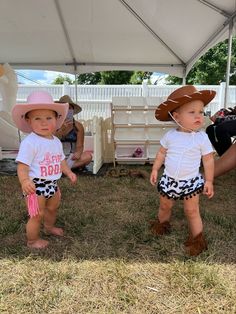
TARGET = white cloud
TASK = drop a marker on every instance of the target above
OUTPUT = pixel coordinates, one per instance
(51, 75)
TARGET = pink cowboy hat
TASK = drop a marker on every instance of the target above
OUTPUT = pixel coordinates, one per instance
(181, 96)
(38, 100)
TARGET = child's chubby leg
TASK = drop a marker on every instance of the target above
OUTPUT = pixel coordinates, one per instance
(196, 242)
(164, 211)
(33, 228)
(191, 209)
(50, 215)
(161, 225)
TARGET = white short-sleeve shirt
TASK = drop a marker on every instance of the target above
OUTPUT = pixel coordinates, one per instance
(184, 152)
(42, 155)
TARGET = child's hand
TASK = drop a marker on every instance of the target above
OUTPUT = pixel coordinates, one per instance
(28, 186)
(72, 176)
(208, 189)
(153, 177)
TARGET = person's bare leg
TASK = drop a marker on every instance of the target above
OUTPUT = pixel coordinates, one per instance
(33, 228)
(164, 211)
(84, 160)
(196, 242)
(50, 215)
(191, 209)
(226, 162)
(161, 225)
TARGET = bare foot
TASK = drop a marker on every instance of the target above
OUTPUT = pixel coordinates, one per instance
(38, 244)
(54, 231)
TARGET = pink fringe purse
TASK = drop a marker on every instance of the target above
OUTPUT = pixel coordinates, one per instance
(32, 204)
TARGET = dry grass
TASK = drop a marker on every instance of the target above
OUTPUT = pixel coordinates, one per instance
(108, 262)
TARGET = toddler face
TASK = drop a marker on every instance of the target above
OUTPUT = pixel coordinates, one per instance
(190, 115)
(42, 122)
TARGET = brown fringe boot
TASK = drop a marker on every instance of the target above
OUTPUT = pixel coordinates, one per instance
(194, 246)
(189, 240)
(160, 228)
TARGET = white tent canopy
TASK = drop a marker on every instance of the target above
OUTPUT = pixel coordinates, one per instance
(79, 36)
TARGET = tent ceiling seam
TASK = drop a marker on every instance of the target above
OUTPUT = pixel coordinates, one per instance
(96, 64)
(214, 7)
(66, 34)
(128, 7)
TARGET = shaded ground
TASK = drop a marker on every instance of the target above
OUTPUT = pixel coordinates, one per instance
(8, 167)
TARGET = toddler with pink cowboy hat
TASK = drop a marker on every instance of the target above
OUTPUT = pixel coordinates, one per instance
(182, 149)
(41, 162)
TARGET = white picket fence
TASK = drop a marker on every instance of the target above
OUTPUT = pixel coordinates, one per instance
(95, 100)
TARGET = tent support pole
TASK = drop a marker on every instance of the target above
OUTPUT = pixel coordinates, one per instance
(184, 76)
(231, 24)
(76, 92)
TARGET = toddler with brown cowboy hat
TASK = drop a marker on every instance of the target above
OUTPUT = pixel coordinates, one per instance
(182, 149)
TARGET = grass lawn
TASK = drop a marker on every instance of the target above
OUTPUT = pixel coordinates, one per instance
(108, 262)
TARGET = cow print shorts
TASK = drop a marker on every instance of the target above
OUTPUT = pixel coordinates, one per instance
(181, 189)
(44, 187)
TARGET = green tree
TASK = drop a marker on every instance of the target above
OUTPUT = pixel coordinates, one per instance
(89, 78)
(115, 77)
(210, 69)
(107, 77)
(139, 76)
(60, 79)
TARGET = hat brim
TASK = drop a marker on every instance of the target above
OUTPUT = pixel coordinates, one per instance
(77, 108)
(19, 111)
(162, 111)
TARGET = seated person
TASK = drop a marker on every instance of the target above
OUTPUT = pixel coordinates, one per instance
(222, 130)
(226, 162)
(71, 135)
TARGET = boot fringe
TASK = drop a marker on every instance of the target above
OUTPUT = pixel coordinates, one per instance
(195, 246)
(160, 228)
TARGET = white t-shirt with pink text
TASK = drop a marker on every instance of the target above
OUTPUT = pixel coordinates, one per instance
(42, 155)
(184, 153)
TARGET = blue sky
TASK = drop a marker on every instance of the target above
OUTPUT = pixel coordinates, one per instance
(38, 77)
(47, 77)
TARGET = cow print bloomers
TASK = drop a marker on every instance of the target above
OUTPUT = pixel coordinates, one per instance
(44, 187)
(181, 189)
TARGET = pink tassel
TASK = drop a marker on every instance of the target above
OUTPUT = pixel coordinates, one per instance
(32, 204)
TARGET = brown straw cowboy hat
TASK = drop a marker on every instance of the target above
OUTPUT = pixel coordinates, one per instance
(68, 100)
(181, 96)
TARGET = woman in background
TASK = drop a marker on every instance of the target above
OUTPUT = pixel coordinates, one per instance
(71, 135)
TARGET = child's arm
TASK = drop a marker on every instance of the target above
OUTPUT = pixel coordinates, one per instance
(208, 164)
(27, 184)
(160, 157)
(66, 170)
